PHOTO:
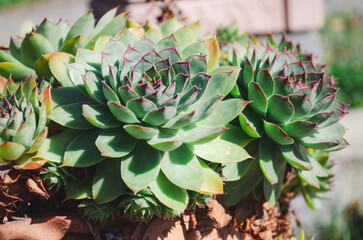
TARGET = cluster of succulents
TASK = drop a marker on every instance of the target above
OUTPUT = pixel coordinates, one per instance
(152, 120)
(292, 109)
(31, 54)
(23, 117)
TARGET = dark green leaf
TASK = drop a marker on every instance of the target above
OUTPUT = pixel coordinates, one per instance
(258, 98)
(221, 151)
(225, 112)
(182, 168)
(296, 156)
(100, 116)
(300, 129)
(115, 143)
(277, 134)
(107, 182)
(82, 151)
(235, 171)
(280, 109)
(33, 47)
(53, 148)
(83, 26)
(272, 192)
(140, 131)
(269, 159)
(166, 140)
(122, 113)
(169, 194)
(141, 167)
(17, 71)
(235, 191)
(70, 116)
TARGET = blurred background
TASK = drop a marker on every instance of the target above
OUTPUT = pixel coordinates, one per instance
(331, 29)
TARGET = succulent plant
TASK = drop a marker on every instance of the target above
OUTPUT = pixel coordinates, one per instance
(147, 110)
(143, 206)
(31, 54)
(54, 176)
(23, 118)
(230, 34)
(311, 194)
(96, 212)
(293, 107)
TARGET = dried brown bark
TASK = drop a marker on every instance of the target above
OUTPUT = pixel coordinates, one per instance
(249, 220)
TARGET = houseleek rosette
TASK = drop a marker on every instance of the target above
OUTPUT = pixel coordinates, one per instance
(147, 111)
(23, 118)
(30, 55)
(311, 194)
(293, 108)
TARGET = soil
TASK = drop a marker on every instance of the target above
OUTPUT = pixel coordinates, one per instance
(249, 220)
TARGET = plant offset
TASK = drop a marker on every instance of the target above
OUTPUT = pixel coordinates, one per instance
(152, 121)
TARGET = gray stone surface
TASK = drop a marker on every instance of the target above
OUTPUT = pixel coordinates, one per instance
(332, 6)
(12, 18)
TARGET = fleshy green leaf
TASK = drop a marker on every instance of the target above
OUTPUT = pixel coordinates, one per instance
(57, 65)
(72, 45)
(108, 27)
(225, 112)
(268, 159)
(300, 129)
(235, 171)
(280, 109)
(236, 135)
(82, 151)
(196, 134)
(272, 192)
(182, 168)
(184, 36)
(166, 140)
(139, 131)
(213, 53)
(77, 190)
(83, 26)
(100, 116)
(221, 151)
(17, 71)
(294, 155)
(258, 98)
(53, 148)
(141, 167)
(70, 116)
(212, 183)
(10, 151)
(140, 106)
(160, 116)
(68, 95)
(115, 143)
(51, 32)
(169, 194)
(277, 134)
(235, 191)
(250, 127)
(24, 135)
(33, 47)
(107, 182)
(122, 113)
(308, 177)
